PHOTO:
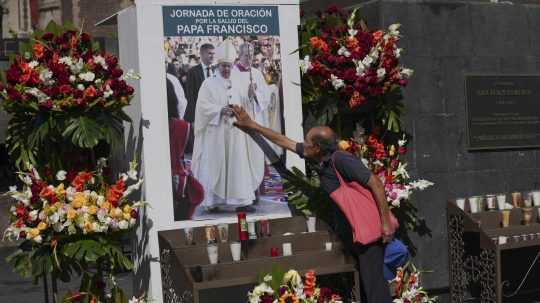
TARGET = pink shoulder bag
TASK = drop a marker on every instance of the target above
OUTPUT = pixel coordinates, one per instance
(360, 208)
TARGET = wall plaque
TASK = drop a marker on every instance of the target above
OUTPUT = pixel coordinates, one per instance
(503, 112)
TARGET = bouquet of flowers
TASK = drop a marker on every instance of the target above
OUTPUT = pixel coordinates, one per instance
(72, 223)
(406, 287)
(63, 88)
(74, 204)
(349, 64)
(291, 288)
(385, 162)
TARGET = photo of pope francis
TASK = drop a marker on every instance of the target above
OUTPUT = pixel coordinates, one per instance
(226, 161)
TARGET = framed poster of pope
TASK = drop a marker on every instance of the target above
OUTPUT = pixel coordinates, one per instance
(215, 57)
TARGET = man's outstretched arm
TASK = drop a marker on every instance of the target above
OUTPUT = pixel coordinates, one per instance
(245, 123)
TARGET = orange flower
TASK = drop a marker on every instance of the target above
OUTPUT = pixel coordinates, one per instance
(90, 92)
(377, 36)
(80, 180)
(309, 283)
(115, 192)
(356, 99)
(287, 297)
(38, 50)
(318, 43)
(48, 194)
(352, 42)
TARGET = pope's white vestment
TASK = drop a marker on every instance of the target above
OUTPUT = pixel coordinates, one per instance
(224, 159)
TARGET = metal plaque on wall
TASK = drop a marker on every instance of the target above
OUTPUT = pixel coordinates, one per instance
(503, 112)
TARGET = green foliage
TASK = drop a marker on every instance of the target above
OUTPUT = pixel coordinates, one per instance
(305, 194)
(44, 139)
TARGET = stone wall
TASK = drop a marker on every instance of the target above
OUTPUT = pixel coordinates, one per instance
(444, 40)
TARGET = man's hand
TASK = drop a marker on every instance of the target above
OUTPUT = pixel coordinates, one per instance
(243, 121)
(387, 231)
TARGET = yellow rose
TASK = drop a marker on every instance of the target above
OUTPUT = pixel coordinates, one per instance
(392, 151)
(34, 232)
(60, 190)
(88, 226)
(127, 216)
(79, 199)
(127, 209)
(71, 214)
(116, 212)
(344, 145)
(106, 205)
(92, 210)
(42, 225)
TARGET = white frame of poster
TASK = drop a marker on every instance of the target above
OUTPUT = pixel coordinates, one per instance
(141, 48)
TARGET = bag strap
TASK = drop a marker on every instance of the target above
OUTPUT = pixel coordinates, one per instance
(340, 178)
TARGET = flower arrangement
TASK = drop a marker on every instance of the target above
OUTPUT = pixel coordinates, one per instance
(406, 286)
(352, 81)
(72, 223)
(62, 87)
(76, 204)
(289, 287)
(343, 56)
(385, 162)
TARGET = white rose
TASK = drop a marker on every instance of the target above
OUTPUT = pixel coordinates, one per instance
(72, 78)
(33, 64)
(66, 61)
(123, 224)
(367, 61)
(61, 175)
(393, 28)
(80, 87)
(305, 64)
(407, 72)
(33, 215)
(38, 239)
(336, 82)
(88, 76)
(58, 227)
(381, 72)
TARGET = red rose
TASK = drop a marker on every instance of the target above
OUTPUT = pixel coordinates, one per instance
(116, 73)
(266, 299)
(13, 94)
(13, 74)
(111, 61)
(66, 89)
(130, 90)
(332, 9)
(87, 56)
(122, 85)
(21, 211)
(47, 105)
(134, 214)
(85, 37)
(48, 36)
(402, 150)
(403, 82)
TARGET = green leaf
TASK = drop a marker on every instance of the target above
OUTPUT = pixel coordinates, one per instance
(83, 132)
